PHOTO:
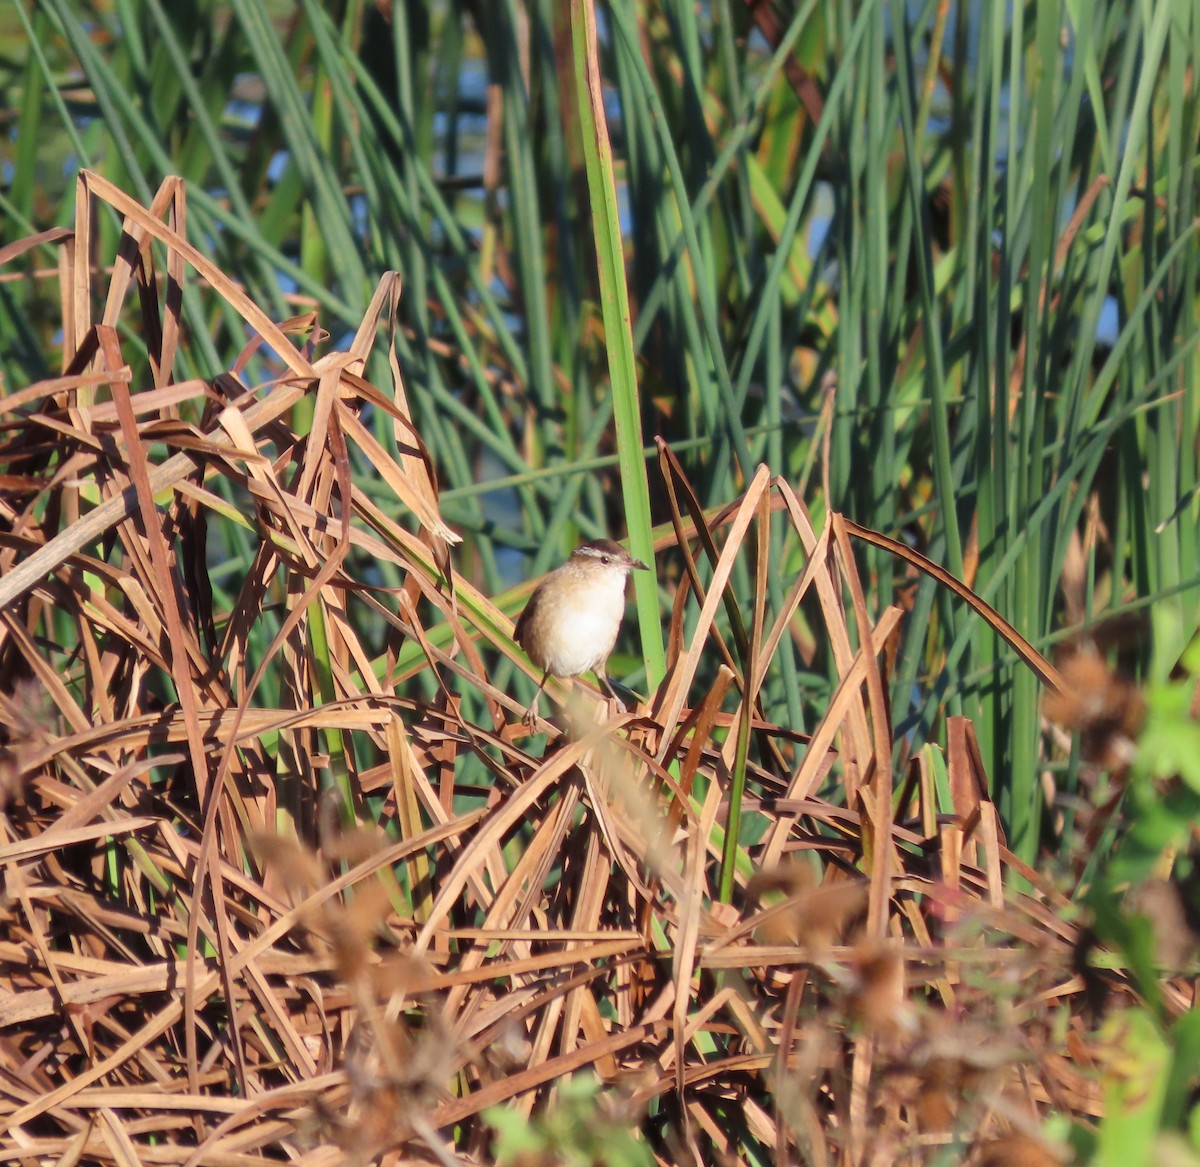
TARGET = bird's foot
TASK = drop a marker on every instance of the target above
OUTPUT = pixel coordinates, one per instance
(616, 706)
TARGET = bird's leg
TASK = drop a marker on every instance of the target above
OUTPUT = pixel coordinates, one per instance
(531, 715)
(607, 688)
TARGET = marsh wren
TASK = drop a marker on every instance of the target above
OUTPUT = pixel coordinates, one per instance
(571, 621)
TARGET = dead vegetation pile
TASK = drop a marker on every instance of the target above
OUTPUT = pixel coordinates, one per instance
(283, 902)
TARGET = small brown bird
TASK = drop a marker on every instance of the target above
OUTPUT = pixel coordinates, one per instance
(572, 619)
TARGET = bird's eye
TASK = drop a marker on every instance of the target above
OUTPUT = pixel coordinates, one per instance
(604, 559)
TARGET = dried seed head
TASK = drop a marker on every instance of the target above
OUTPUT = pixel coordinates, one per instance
(1019, 1150)
(816, 917)
(878, 997)
(1105, 710)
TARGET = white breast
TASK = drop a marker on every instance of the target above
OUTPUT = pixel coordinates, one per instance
(578, 635)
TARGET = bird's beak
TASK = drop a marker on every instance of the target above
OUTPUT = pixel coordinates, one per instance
(638, 565)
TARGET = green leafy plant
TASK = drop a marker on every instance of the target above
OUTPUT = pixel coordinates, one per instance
(1142, 904)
